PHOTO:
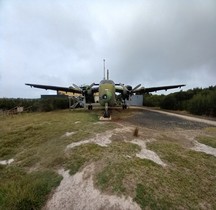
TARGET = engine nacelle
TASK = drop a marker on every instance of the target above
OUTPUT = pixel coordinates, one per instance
(129, 87)
(89, 92)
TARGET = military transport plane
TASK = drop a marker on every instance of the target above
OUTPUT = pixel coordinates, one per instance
(107, 90)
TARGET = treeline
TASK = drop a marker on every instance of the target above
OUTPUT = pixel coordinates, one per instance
(196, 101)
(33, 105)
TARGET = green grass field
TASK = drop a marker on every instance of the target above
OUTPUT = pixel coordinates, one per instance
(37, 142)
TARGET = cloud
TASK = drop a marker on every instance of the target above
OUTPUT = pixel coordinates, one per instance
(64, 42)
(177, 43)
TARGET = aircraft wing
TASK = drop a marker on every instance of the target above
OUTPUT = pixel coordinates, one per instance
(57, 88)
(143, 90)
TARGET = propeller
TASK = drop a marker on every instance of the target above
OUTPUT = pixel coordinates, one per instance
(135, 88)
(90, 86)
(77, 87)
(84, 89)
(128, 91)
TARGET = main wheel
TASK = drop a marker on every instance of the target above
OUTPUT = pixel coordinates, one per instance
(124, 106)
(89, 107)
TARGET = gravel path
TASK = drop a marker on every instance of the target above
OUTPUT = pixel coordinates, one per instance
(157, 119)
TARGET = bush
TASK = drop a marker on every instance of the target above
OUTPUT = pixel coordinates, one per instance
(48, 104)
(197, 101)
(153, 100)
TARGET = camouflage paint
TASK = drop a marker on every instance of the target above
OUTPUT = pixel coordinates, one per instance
(107, 93)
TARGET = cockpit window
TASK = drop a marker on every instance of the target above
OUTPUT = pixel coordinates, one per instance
(107, 82)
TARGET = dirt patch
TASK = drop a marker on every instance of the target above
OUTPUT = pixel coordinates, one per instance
(204, 148)
(147, 154)
(101, 139)
(67, 134)
(123, 133)
(78, 192)
(183, 137)
(6, 162)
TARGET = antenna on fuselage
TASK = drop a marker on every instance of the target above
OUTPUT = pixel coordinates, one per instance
(104, 70)
(107, 74)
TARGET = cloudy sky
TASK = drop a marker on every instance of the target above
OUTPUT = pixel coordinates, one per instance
(61, 42)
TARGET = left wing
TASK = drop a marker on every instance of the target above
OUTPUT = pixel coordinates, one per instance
(65, 89)
(57, 88)
(143, 90)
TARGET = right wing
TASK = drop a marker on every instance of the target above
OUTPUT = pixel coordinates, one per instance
(154, 89)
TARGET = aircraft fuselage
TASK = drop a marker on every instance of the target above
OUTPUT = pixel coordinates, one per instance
(107, 93)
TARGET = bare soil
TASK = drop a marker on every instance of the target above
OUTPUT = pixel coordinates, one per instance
(78, 192)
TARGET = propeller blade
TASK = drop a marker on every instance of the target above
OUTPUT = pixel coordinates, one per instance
(136, 87)
(77, 87)
(124, 87)
(89, 87)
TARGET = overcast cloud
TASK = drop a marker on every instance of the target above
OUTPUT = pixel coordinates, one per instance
(61, 42)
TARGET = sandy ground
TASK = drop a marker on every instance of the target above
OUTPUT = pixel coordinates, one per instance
(78, 192)
(6, 162)
(102, 139)
(146, 153)
(204, 148)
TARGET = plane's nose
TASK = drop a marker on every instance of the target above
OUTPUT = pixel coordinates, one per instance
(104, 96)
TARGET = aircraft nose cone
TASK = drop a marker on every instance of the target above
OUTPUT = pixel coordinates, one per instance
(104, 96)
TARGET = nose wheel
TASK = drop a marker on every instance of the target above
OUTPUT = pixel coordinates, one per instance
(106, 111)
(106, 114)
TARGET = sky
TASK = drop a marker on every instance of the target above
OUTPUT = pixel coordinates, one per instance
(61, 42)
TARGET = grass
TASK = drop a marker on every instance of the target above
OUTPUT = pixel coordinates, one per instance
(117, 158)
(21, 190)
(188, 182)
(37, 144)
(81, 155)
(208, 140)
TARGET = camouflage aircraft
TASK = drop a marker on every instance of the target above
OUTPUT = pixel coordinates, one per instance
(107, 90)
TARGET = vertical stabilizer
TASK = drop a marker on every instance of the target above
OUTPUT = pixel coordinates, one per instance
(104, 70)
(107, 74)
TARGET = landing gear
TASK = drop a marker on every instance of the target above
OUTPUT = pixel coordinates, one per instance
(90, 107)
(106, 115)
(106, 112)
(124, 105)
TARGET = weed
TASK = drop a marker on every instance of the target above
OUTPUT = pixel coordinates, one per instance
(136, 132)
